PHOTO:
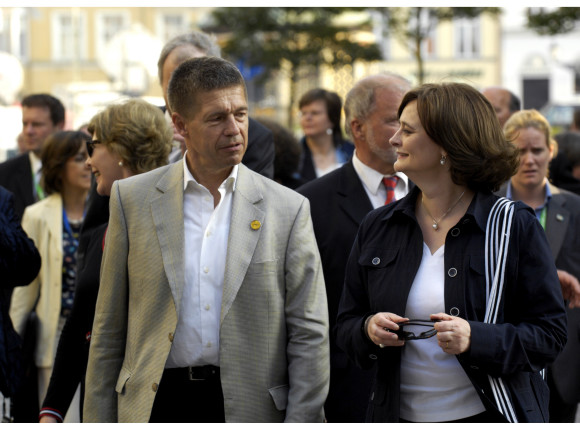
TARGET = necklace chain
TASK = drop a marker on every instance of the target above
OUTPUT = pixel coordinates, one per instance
(436, 222)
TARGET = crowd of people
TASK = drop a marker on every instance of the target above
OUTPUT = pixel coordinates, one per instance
(189, 263)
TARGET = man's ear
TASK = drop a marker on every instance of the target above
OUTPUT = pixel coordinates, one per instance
(356, 129)
(179, 123)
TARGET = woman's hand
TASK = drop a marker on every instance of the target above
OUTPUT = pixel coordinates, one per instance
(47, 419)
(453, 333)
(379, 329)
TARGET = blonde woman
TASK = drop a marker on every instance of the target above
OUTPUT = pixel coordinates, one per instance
(127, 139)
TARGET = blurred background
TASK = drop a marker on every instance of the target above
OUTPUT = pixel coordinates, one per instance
(91, 56)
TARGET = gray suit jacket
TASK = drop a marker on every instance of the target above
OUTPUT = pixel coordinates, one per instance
(563, 234)
(274, 356)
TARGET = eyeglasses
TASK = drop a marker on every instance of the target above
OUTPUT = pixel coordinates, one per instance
(407, 335)
(91, 146)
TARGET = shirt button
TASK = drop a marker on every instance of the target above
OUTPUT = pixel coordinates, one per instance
(208, 344)
(208, 234)
(376, 260)
(170, 337)
(207, 307)
(455, 232)
(452, 272)
(206, 269)
(207, 198)
(154, 387)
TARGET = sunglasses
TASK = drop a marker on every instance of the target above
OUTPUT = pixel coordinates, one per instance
(407, 335)
(91, 146)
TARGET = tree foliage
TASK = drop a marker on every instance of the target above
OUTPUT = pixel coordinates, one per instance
(300, 37)
(557, 21)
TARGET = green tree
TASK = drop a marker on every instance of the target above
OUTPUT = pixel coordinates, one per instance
(556, 21)
(294, 39)
(413, 25)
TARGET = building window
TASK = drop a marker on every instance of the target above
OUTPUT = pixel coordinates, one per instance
(169, 25)
(68, 35)
(108, 25)
(14, 32)
(467, 38)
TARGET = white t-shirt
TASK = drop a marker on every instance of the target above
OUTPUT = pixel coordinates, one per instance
(434, 386)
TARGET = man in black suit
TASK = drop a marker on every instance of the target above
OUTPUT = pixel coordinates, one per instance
(259, 154)
(339, 201)
(42, 115)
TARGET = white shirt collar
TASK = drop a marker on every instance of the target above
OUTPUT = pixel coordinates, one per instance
(188, 177)
(370, 177)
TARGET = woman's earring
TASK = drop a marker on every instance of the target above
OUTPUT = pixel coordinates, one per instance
(120, 164)
(329, 131)
(443, 160)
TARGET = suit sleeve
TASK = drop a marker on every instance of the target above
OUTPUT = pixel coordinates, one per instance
(19, 258)
(24, 299)
(307, 323)
(109, 332)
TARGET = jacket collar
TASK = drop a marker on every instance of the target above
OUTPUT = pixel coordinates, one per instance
(478, 209)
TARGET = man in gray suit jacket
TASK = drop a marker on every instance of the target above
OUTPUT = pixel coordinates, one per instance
(212, 304)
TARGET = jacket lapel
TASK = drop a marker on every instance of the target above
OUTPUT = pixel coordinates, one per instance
(352, 197)
(557, 220)
(167, 210)
(243, 236)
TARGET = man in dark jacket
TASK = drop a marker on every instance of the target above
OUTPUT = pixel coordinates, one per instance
(339, 201)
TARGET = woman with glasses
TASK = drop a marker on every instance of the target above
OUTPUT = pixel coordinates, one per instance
(127, 139)
(424, 258)
(54, 225)
(323, 146)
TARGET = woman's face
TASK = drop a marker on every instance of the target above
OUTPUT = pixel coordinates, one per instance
(535, 155)
(76, 174)
(314, 119)
(416, 151)
(105, 166)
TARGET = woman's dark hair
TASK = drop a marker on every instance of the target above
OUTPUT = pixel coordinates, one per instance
(56, 151)
(333, 109)
(461, 120)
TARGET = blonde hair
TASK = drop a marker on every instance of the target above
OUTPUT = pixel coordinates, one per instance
(136, 131)
(526, 119)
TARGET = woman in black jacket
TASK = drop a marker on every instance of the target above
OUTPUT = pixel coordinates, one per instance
(477, 352)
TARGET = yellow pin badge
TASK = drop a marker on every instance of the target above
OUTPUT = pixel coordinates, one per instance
(255, 224)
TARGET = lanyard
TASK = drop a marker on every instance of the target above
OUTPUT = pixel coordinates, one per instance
(543, 217)
(69, 229)
(37, 187)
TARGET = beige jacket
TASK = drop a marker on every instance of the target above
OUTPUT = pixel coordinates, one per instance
(42, 222)
(274, 356)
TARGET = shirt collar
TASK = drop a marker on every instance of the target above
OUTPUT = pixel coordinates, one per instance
(509, 194)
(370, 177)
(188, 177)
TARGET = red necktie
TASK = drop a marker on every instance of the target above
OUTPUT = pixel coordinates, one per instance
(390, 184)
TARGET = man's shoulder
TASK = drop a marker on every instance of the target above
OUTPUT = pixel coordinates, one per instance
(148, 178)
(271, 188)
(326, 183)
(15, 162)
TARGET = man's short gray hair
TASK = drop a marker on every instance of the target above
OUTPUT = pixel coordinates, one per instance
(360, 100)
(201, 74)
(203, 42)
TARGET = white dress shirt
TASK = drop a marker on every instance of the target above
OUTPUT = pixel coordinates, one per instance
(373, 183)
(206, 230)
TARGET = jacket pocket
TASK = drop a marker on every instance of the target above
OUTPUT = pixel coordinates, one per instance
(124, 376)
(280, 396)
